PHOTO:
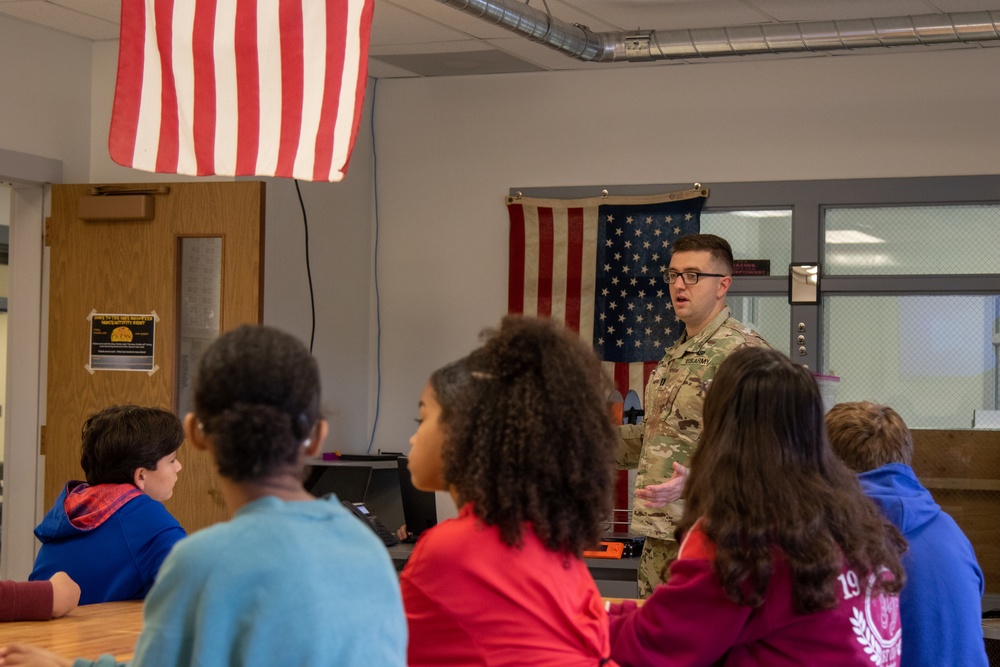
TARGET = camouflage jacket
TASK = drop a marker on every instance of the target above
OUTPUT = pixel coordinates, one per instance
(672, 423)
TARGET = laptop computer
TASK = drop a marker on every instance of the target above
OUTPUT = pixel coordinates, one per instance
(419, 507)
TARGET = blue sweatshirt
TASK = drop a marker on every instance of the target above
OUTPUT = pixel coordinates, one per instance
(941, 604)
(118, 559)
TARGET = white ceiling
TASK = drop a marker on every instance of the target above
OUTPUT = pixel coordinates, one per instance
(425, 37)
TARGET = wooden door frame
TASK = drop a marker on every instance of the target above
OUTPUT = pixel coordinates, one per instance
(26, 347)
(26, 344)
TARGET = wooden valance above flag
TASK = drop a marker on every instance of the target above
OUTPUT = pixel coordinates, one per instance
(240, 87)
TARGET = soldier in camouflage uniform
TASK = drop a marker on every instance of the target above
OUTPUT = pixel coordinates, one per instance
(701, 273)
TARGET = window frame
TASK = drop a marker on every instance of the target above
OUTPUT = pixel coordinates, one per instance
(808, 201)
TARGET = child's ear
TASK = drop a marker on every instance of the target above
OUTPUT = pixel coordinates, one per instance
(320, 431)
(139, 478)
(194, 432)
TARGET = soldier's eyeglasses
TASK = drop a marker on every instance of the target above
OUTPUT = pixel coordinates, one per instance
(689, 277)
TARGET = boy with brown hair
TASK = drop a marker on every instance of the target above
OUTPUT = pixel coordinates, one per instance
(941, 604)
(112, 532)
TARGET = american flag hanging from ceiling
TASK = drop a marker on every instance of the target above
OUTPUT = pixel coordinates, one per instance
(240, 87)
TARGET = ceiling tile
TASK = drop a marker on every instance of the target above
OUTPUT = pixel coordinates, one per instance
(965, 5)
(669, 14)
(453, 46)
(438, 12)
(62, 19)
(818, 10)
(460, 63)
(395, 25)
(109, 10)
(380, 70)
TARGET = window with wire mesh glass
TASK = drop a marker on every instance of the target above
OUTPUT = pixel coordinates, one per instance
(931, 357)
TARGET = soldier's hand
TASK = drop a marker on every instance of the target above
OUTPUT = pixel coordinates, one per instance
(659, 495)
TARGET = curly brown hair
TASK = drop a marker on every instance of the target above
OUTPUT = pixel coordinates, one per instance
(764, 476)
(529, 438)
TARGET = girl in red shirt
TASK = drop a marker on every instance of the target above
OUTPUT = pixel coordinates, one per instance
(519, 433)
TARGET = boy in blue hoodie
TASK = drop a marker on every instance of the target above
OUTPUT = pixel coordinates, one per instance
(112, 532)
(941, 604)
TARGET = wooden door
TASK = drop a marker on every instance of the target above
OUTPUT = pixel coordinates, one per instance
(133, 267)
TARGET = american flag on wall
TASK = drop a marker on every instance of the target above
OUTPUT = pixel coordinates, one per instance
(240, 87)
(596, 265)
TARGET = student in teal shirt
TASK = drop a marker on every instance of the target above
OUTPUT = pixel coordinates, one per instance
(289, 580)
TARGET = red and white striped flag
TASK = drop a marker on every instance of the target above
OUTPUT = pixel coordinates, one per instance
(240, 87)
(595, 265)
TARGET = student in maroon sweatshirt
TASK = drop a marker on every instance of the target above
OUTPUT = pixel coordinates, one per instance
(784, 561)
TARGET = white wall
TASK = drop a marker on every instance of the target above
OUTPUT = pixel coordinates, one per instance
(450, 148)
(45, 95)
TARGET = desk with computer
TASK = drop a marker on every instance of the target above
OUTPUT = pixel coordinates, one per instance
(380, 491)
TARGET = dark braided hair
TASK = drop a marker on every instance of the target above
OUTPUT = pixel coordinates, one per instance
(258, 397)
(764, 476)
(529, 434)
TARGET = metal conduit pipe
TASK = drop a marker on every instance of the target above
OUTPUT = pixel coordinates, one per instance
(573, 40)
(646, 45)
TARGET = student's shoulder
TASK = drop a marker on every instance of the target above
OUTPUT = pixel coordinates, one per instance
(203, 545)
(451, 540)
(152, 514)
(697, 545)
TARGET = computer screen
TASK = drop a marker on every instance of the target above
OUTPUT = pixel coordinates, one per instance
(419, 507)
(349, 483)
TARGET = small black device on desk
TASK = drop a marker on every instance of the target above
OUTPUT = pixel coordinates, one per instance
(359, 510)
(631, 544)
(419, 507)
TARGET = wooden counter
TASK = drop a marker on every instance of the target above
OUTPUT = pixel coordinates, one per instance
(86, 632)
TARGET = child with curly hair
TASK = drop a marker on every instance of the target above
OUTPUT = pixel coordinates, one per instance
(519, 433)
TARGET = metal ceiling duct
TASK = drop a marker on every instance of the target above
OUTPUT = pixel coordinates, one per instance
(646, 45)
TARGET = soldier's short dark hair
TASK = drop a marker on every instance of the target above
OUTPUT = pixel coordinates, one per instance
(722, 253)
(120, 439)
(867, 435)
(529, 439)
